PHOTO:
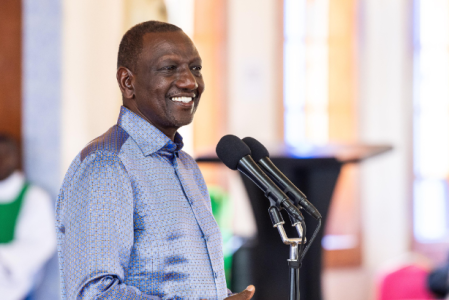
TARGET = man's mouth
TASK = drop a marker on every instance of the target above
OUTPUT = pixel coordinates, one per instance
(182, 99)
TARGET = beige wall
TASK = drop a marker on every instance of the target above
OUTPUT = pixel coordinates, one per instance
(385, 111)
(254, 68)
(90, 95)
(137, 11)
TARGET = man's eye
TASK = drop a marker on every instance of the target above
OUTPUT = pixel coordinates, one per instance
(197, 68)
(169, 68)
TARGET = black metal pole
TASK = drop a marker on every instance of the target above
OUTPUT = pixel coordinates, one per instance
(294, 265)
(294, 284)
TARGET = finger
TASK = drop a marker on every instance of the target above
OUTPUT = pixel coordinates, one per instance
(247, 294)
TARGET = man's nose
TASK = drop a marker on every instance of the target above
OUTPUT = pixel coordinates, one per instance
(186, 80)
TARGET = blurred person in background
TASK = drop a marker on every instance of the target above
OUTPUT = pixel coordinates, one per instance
(27, 235)
(438, 280)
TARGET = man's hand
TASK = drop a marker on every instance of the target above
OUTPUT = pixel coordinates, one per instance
(245, 295)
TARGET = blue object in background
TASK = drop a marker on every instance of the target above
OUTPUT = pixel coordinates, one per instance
(41, 111)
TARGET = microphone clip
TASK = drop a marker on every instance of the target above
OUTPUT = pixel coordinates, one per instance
(278, 222)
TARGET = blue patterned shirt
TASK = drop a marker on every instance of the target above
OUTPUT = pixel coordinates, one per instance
(134, 220)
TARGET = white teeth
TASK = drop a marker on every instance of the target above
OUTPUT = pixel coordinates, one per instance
(182, 99)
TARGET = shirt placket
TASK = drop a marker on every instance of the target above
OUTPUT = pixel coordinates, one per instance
(195, 207)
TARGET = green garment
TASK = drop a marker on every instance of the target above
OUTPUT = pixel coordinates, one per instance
(9, 213)
(222, 211)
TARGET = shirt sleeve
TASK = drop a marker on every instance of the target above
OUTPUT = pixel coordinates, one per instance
(96, 231)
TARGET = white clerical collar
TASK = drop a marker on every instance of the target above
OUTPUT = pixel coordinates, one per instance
(11, 186)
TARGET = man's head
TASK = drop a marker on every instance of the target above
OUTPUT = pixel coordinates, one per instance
(159, 74)
(9, 156)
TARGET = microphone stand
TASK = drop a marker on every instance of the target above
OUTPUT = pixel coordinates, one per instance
(294, 261)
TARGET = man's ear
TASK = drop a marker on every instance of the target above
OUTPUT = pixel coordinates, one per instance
(125, 79)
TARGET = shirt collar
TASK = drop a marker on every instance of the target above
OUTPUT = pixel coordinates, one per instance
(147, 137)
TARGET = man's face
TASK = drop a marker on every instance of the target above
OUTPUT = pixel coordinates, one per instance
(168, 82)
(8, 160)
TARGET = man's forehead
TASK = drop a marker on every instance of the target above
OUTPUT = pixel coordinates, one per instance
(152, 39)
(167, 42)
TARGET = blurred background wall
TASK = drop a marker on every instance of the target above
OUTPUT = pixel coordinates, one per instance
(289, 72)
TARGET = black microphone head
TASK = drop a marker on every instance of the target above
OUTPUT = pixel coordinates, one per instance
(258, 151)
(230, 150)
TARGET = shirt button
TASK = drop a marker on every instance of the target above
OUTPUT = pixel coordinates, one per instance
(206, 238)
(215, 275)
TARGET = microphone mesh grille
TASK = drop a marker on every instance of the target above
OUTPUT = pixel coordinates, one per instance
(230, 149)
(258, 151)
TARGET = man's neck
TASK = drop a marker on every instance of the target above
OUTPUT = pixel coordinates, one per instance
(169, 132)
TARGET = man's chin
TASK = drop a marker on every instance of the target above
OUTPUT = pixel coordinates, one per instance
(180, 122)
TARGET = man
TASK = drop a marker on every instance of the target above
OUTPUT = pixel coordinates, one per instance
(134, 219)
(27, 236)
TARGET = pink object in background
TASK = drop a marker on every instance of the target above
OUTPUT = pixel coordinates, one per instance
(404, 283)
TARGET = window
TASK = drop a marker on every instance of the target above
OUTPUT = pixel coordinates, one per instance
(431, 120)
(305, 71)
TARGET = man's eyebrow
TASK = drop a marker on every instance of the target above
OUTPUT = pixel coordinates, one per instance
(169, 58)
(197, 60)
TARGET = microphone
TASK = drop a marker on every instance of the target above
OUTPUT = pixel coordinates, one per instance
(236, 155)
(262, 157)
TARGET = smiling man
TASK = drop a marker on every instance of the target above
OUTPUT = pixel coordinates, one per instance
(134, 217)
